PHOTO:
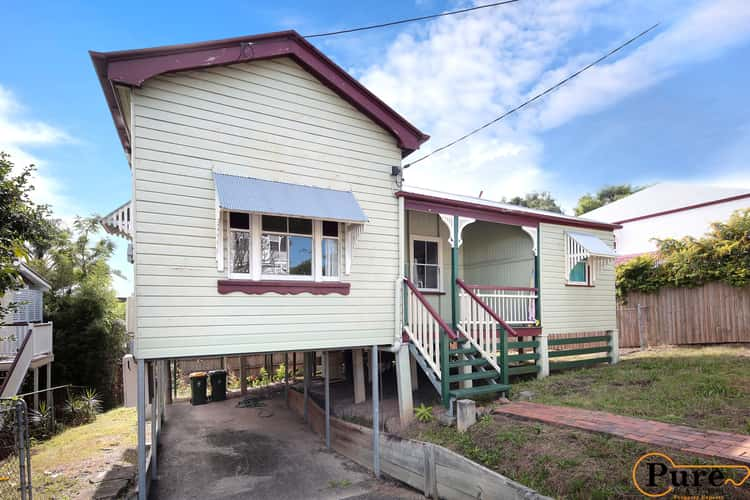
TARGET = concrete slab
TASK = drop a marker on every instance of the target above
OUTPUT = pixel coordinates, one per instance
(222, 451)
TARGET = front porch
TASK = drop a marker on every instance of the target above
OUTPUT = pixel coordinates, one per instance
(473, 293)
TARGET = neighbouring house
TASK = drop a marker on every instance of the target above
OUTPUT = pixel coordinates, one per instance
(268, 214)
(668, 210)
(25, 338)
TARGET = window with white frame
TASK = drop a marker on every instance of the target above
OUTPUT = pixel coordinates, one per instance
(286, 246)
(276, 247)
(580, 273)
(329, 250)
(239, 243)
(426, 262)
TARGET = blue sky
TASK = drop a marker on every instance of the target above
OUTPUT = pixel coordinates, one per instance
(673, 107)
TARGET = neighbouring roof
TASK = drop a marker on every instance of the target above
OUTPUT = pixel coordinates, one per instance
(248, 194)
(665, 198)
(471, 206)
(131, 68)
(593, 245)
(32, 277)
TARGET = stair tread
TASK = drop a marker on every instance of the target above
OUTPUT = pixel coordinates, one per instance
(484, 389)
(473, 376)
(467, 362)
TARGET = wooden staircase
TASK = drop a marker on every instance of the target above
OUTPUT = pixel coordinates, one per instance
(475, 361)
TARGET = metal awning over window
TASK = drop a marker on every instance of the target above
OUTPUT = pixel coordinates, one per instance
(581, 247)
(247, 194)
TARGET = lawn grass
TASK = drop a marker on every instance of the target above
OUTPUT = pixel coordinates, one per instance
(60, 463)
(557, 461)
(705, 387)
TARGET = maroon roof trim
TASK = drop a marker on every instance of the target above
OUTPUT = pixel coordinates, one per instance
(435, 204)
(133, 67)
(282, 287)
(688, 207)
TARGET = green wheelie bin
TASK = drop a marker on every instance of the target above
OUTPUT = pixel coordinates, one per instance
(198, 388)
(218, 385)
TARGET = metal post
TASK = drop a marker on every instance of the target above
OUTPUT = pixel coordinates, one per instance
(504, 356)
(141, 411)
(50, 395)
(174, 379)
(154, 417)
(306, 382)
(22, 451)
(327, 371)
(286, 377)
(375, 411)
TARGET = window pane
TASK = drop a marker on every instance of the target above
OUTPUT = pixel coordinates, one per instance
(300, 226)
(300, 255)
(273, 254)
(240, 252)
(239, 220)
(431, 277)
(578, 273)
(419, 252)
(330, 228)
(330, 257)
(275, 224)
(420, 282)
(431, 252)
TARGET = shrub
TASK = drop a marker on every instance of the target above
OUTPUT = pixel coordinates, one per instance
(424, 413)
(82, 409)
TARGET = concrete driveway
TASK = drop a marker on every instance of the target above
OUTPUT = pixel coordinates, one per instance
(222, 451)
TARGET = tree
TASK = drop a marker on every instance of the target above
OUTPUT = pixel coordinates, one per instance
(605, 195)
(20, 219)
(90, 335)
(722, 255)
(541, 201)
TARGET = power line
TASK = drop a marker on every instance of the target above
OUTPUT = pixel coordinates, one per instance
(536, 97)
(411, 20)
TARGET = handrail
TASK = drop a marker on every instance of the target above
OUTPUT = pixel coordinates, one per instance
(504, 288)
(484, 306)
(448, 330)
(15, 360)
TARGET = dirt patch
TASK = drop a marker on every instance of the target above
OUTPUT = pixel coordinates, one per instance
(244, 452)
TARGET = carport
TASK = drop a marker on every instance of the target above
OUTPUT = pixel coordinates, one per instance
(220, 450)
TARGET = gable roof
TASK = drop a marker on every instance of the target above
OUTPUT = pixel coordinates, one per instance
(131, 68)
(493, 211)
(665, 198)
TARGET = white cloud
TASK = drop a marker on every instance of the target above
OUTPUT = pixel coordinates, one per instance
(19, 134)
(453, 74)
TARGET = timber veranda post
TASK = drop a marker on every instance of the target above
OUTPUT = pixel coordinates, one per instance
(444, 340)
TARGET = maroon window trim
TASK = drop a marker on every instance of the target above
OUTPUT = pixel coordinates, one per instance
(283, 287)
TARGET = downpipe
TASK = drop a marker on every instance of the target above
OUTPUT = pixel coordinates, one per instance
(397, 319)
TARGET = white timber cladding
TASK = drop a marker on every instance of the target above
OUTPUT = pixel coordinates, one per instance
(573, 309)
(269, 120)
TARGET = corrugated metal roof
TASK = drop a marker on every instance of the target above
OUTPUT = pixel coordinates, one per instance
(592, 244)
(248, 194)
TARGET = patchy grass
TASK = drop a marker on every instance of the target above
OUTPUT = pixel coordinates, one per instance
(561, 462)
(706, 387)
(62, 465)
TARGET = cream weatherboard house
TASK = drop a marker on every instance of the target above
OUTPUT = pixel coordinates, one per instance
(268, 215)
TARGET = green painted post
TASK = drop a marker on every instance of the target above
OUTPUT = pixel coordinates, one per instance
(444, 385)
(504, 356)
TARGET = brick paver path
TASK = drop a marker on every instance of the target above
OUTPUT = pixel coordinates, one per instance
(735, 447)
